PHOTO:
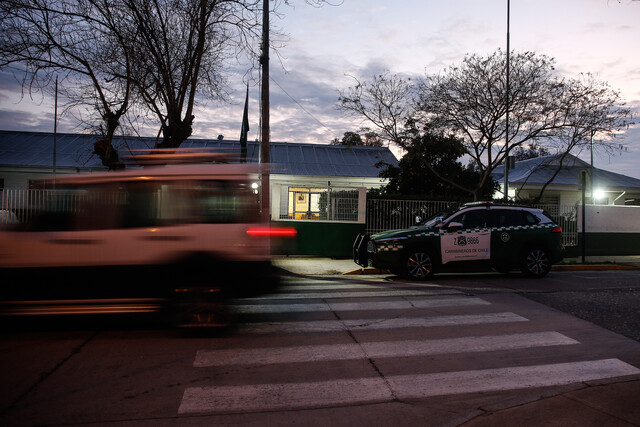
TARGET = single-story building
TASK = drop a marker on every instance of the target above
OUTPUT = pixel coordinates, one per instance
(318, 188)
(529, 176)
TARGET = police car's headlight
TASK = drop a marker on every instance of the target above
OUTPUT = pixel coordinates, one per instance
(371, 245)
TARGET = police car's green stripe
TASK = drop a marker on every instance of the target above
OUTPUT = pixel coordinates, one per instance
(477, 230)
(389, 247)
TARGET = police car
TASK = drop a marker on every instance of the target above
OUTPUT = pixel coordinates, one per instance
(476, 236)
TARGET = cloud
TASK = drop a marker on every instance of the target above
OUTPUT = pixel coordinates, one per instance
(363, 38)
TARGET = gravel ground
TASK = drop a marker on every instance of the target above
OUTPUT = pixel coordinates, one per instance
(615, 309)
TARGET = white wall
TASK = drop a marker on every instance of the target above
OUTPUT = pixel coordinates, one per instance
(610, 219)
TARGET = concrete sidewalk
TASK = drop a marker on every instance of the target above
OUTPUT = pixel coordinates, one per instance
(339, 266)
(315, 266)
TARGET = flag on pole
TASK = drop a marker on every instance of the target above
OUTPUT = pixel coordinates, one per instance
(245, 128)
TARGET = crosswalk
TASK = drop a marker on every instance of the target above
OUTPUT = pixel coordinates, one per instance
(380, 325)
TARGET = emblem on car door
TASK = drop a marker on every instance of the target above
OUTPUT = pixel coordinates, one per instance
(505, 237)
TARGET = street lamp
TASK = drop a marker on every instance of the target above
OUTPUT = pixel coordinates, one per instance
(597, 193)
(506, 140)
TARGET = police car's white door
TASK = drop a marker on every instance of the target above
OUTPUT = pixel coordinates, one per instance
(466, 237)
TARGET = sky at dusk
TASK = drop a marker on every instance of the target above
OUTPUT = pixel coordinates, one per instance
(360, 38)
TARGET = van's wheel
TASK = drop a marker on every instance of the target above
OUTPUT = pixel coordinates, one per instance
(419, 265)
(535, 262)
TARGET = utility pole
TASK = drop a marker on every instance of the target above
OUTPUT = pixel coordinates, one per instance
(264, 97)
(55, 134)
(507, 163)
(593, 197)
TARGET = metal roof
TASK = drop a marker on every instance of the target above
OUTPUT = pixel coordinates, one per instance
(539, 170)
(35, 149)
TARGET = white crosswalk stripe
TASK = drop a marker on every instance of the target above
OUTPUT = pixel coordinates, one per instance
(323, 286)
(264, 397)
(436, 307)
(374, 324)
(239, 356)
(358, 294)
(357, 306)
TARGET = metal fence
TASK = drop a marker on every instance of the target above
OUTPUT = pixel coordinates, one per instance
(327, 204)
(20, 205)
(385, 214)
(396, 214)
(332, 204)
(566, 216)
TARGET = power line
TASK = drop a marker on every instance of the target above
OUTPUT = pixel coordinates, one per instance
(299, 105)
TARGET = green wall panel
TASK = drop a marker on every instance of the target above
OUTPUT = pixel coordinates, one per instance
(330, 239)
(606, 244)
(334, 239)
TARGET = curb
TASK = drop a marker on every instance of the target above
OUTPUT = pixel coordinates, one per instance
(593, 267)
(577, 267)
(368, 270)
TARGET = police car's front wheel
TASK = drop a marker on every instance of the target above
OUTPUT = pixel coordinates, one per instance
(419, 265)
(535, 262)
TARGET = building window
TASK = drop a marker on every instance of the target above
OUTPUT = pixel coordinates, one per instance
(319, 203)
(304, 202)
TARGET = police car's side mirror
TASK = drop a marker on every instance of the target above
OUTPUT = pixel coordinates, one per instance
(418, 219)
(453, 226)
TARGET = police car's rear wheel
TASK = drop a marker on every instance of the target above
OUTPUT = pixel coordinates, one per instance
(535, 262)
(419, 265)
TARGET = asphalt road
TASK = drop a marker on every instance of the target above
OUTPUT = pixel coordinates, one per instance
(459, 350)
(610, 299)
(617, 310)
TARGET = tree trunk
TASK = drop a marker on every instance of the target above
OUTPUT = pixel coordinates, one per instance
(176, 132)
(104, 146)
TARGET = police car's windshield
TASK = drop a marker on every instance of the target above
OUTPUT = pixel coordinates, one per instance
(434, 220)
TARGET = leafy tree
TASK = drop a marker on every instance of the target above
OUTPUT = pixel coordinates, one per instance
(414, 177)
(371, 139)
(352, 138)
(349, 139)
(532, 151)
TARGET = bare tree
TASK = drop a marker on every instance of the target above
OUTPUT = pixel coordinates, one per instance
(181, 53)
(591, 108)
(469, 101)
(160, 56)
(385, 102)
(79, 41)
